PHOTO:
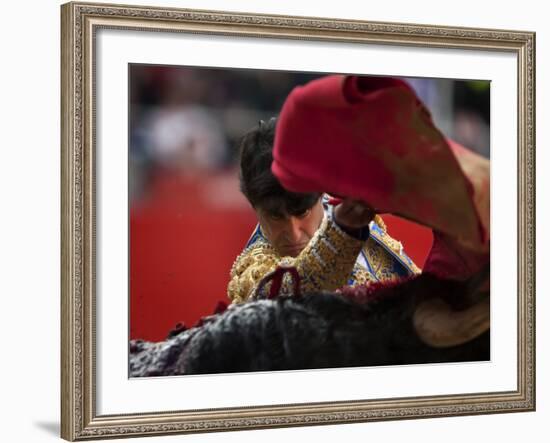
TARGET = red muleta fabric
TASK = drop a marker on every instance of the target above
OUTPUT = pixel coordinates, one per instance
(372, 139)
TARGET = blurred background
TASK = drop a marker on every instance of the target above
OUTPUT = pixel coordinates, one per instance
(188, 219)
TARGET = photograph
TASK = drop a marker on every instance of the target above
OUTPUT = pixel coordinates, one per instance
(272, 220)
(294, 220)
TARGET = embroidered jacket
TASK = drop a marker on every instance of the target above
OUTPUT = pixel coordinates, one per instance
(331, 260)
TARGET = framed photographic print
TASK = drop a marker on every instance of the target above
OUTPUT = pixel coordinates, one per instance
(283, 221)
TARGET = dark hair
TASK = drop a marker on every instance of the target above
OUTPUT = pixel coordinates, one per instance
(258, 184)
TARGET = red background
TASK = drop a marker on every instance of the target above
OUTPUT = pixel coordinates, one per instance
(184, 238)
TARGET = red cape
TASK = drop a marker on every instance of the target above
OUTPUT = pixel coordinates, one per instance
(371, 138)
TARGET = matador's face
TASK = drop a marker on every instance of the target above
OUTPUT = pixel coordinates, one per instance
(290, 234)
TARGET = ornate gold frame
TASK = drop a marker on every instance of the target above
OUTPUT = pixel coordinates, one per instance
(79, 23)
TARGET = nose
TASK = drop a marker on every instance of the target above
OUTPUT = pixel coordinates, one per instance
(294, 229)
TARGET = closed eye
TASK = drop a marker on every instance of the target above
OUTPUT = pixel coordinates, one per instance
(275, 217)
(304, 214)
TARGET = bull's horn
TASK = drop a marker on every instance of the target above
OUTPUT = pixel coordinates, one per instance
(439, 326)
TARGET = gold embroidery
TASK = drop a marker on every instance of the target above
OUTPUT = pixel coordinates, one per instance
(325, 264)
(362, 276)
(378, 220)
(396, 247)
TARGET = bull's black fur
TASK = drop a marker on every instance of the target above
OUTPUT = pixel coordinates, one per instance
(358, 327)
